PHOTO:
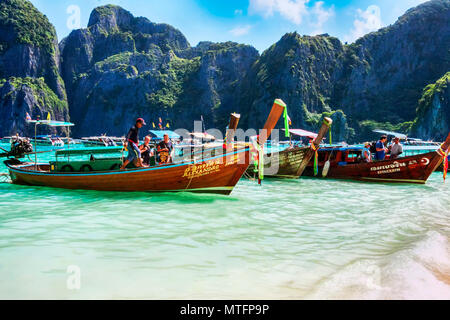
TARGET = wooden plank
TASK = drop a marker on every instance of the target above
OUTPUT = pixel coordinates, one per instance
(275, 114)
(326, 124)
(232, 126)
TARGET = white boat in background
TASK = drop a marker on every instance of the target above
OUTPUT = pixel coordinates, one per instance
(47, 140)
(102, 141)
(6, 140)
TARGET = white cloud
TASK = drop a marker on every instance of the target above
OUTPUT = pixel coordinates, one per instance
(292, 10)
(321, 16)
(241, 30)
(238, 12)
(295, 11)
(366, 21)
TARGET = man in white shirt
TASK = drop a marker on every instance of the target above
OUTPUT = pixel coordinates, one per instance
(396, 148)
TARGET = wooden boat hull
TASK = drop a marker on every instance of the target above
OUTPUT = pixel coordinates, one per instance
(412, 169)
(291, 162)
(213, 175)
(283, 164)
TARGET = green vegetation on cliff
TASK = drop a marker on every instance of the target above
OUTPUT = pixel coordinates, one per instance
(433, 116)
(28, 24)
(429, 92)
(43, 95)
(173, 79)
(366, 127)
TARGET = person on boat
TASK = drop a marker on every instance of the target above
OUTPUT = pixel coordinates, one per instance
(381, 149)
(165, 149)
(146, 151)
(396, 148)
(132, 143)
(367, 155)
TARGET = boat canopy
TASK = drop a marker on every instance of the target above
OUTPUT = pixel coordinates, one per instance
(88, 151)
(391, 133)
(303, 133)
(52, 123)
(159, 134)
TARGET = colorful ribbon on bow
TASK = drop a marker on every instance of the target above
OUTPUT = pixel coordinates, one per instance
(445, 165)
(258, 158)
(444, 154)
(287, 122)
(316, 158)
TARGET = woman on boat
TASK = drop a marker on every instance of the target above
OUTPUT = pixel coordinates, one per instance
(367, 155)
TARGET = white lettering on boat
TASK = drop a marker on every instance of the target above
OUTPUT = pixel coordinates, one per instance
(393, 166)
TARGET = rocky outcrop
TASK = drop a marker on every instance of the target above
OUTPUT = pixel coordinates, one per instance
(19, 96)
(433, 112)
(375, 81)
(387, 69)
(29, 66)
(299, 70)
(122, 67)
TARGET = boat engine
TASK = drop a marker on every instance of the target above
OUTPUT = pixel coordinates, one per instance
(20, 147)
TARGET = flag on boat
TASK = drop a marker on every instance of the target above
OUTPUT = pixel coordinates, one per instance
(49, 117)
(154, 126)
(167, 125)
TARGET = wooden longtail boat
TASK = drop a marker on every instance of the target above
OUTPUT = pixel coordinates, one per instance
(348, 163)
(212, 174)
(291, 162)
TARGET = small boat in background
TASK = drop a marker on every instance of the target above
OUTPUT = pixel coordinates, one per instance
(349, 163)
(70, 141)
(6, 140)
(102, 141)
(48, 140)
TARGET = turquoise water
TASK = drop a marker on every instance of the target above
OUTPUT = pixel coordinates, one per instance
(297, 239)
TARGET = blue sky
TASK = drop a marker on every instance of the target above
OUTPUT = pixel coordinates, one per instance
(256, 22)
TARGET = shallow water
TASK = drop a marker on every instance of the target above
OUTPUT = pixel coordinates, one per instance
(292, 239)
